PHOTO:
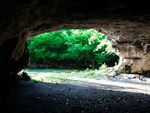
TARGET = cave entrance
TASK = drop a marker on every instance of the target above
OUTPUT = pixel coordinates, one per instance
(71, 49)
(88, 48)
(76, 91)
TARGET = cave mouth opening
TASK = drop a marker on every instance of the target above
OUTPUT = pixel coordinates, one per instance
(71, 46)
(70, 50)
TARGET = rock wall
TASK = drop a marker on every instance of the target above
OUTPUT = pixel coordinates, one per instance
(129, 39)
(126, 25)
(14, 55)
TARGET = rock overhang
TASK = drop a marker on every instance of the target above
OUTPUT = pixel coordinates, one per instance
(125, 25)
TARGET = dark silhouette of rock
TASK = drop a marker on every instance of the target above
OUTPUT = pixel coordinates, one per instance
(24, 76)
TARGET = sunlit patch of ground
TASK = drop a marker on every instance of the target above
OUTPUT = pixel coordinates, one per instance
(122, 82)
(58, 91)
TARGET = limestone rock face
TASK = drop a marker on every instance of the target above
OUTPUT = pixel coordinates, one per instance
(126, 25)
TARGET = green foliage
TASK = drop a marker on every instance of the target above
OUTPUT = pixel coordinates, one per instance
(88, 46)
(46, 47)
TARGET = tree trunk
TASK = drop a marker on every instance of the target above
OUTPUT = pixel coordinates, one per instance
(36, 65)
(86, 64)
(47, 64)
(93, 64)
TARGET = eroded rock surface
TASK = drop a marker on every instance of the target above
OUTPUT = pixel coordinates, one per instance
(126, 25)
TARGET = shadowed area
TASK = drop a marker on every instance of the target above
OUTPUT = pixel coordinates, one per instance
(32, 97)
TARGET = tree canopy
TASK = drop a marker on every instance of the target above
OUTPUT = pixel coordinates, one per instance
(83, 46)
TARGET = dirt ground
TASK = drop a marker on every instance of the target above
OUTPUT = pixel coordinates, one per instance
(93, 96)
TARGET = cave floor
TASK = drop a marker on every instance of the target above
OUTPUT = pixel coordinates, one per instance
(93, 96)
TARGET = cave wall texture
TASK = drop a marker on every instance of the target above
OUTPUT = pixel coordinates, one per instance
(125, 22)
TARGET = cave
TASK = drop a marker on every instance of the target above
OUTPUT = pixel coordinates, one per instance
(126, 24)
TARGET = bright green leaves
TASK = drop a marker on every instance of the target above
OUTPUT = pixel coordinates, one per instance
(89, 46)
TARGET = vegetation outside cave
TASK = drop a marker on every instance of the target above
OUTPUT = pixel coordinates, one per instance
(73, 48)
